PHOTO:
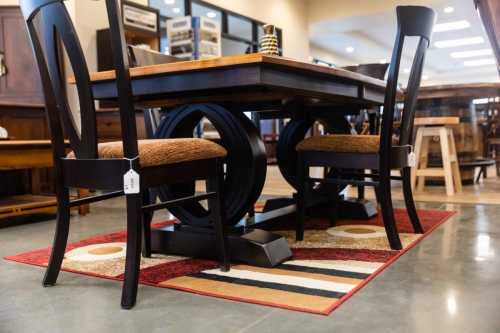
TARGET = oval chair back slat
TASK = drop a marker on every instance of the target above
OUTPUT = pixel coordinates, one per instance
(413, 21)
(55, 30)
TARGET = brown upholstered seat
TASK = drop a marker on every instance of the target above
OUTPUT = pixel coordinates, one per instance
(164, 151)
(341, 143)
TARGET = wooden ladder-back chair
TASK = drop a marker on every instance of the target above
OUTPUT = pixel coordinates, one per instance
(373, 152)
(149, 163)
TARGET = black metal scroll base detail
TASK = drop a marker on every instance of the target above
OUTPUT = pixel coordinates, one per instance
(245, 164)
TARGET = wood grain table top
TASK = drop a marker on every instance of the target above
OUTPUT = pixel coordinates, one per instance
(237, 61)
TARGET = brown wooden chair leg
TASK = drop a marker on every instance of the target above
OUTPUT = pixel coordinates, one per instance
(216, 208)
(133, 255)
(60, 239)
(83, 209)
(301, 199)
(388, 212)
(409, 202)
(147, 217)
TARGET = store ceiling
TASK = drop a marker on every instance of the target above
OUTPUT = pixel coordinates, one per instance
(369, 39)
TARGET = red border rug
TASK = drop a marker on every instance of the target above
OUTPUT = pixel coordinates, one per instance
(328, 267)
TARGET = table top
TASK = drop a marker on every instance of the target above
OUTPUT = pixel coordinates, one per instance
(253, 78)
(236, 61)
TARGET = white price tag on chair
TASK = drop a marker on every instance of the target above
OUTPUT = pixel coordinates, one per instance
(131, 183)
(412, 160)
(131, 180)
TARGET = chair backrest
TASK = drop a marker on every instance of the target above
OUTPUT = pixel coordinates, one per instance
(55, 24)
(412, 21)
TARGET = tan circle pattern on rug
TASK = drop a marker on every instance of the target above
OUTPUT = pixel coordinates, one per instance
(106, 251)
(357, 231)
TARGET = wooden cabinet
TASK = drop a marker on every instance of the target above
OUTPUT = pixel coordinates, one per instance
(20, 83)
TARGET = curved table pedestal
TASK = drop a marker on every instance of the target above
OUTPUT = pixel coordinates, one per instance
(245, 173)
(244, 179)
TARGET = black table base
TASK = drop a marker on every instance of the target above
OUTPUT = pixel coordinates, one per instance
(244, 179)
(251, 246)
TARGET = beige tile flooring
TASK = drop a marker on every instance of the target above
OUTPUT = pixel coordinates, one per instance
(487, 192)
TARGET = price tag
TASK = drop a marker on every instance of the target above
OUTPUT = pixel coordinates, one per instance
(412, 160)
(131, 179)
(131, 182)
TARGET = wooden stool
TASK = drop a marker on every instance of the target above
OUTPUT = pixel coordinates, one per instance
(427, 128)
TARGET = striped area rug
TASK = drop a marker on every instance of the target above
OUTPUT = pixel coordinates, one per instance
(328, 267)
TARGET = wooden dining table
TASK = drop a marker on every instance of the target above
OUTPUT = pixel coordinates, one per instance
(223, 90)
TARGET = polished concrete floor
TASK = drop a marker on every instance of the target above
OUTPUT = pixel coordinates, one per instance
(450, 282)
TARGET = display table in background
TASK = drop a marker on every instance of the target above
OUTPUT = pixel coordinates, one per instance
(32, 155)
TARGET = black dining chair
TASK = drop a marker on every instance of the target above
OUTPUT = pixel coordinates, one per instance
(129, 167)
(373, 152)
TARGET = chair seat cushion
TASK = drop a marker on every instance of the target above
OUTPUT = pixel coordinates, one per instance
(341, 143)
(164, 151)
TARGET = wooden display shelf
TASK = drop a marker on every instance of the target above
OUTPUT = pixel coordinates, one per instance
(26, 204)
(30, 155)
(30, 204)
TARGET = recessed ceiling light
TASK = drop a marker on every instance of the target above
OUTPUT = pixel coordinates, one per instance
(211, 14)
(459, 42)
(349, 49)
(448, 10)
(169, 2)
(472, 53)
(479, 62)
(450, 26)
(176, 10)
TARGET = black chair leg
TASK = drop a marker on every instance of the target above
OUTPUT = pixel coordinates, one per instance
(410, 203)
(333, 204)
(60, 239)
(301, 203)
(361, 192)
(251, 212)
(217, 212)
(361, 188)
(385, 197)
(147, 217)
(133, 255)
(376, 189)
